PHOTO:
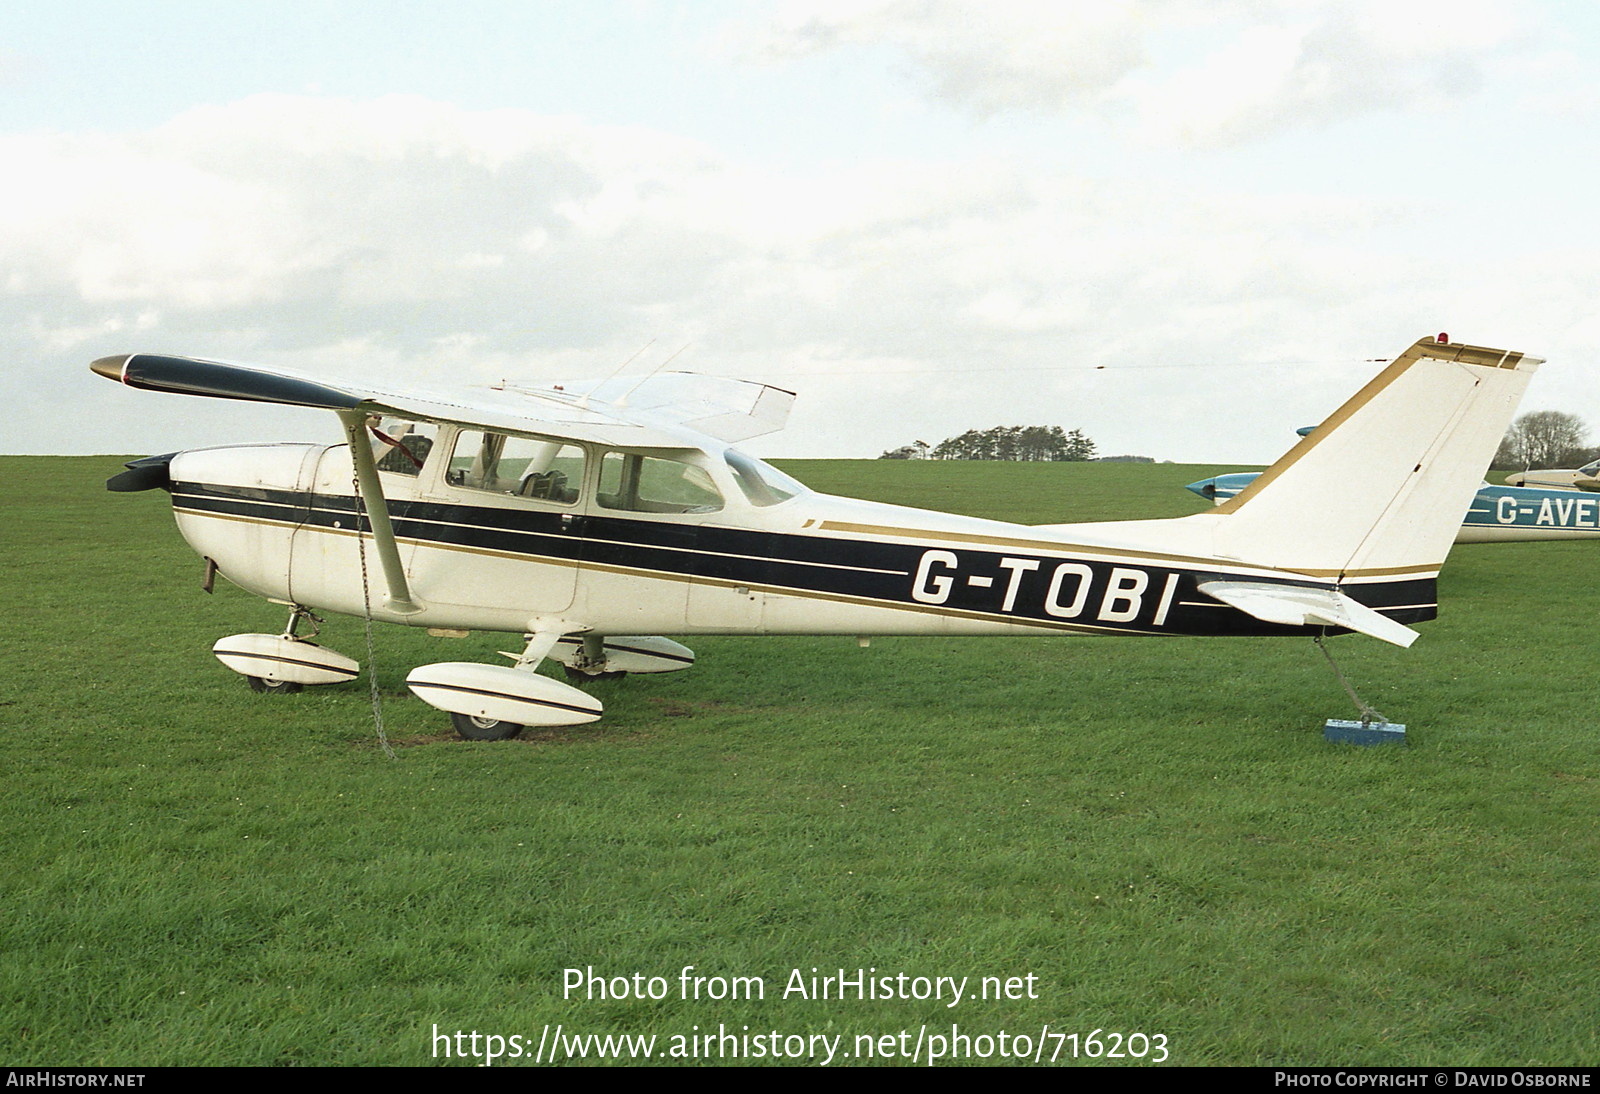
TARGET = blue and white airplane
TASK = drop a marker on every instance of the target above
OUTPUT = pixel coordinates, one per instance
(1499, 514)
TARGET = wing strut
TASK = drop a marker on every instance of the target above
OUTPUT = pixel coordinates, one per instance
(377, 506)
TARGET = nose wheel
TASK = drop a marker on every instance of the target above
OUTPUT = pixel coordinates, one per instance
(283, 664)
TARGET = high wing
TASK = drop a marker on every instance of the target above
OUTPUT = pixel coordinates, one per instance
(727, 409)
(671, 410)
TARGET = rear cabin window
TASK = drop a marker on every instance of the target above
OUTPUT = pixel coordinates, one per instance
(651, 484)
(524, 467)
(401, 446)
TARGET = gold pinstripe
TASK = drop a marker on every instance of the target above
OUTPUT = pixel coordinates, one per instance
(775, 590)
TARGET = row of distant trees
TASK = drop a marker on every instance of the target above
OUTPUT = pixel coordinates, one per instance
(1023, 443)
(1544, 438)
(1540, 438)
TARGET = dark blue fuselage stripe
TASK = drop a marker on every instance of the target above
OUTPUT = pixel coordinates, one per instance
(858, 569)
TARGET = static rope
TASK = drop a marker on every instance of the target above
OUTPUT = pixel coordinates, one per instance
(1368, 714)
(366, 616)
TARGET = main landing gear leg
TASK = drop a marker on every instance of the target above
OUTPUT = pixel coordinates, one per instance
(590, 663)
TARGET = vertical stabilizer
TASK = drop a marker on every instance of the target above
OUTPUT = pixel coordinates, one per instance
(1381, 486)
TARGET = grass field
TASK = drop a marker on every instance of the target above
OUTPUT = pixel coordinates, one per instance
(1154, 829)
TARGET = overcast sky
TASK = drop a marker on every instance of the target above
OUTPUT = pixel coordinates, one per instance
(1185, 228)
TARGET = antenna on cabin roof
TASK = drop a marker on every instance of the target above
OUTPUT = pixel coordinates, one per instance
(623, 401)
(584, 401)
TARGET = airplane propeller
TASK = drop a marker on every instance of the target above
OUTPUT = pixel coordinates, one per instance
(150, 473)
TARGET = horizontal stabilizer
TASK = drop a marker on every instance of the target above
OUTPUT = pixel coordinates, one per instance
(1297, 605)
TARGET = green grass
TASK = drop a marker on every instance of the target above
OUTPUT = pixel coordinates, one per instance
(196, 874)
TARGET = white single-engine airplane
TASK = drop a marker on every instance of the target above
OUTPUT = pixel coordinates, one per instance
(586, 517)
(1586, 478)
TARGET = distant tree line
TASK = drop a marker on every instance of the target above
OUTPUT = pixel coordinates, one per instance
(1023, 443)
(1536, 440)
(1544, 438)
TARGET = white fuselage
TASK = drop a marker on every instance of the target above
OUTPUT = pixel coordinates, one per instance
(282, 521)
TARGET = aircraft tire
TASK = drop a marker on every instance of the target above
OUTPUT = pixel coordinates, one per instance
(262, 686)
(484, 729)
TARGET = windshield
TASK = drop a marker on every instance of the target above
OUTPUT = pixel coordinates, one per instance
(761, 483)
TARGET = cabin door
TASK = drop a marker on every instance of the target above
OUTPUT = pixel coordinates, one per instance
(498, 530)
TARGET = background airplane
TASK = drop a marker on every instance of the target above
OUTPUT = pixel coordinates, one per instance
(1586, 477)
(1498, 514)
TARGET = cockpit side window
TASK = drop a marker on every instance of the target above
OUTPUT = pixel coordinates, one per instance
(638, 483)
(524, 467)
(401, 446)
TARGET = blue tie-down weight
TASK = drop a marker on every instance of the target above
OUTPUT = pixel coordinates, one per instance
(1363, 733)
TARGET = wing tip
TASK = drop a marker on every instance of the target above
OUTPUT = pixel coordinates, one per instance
(113, 367)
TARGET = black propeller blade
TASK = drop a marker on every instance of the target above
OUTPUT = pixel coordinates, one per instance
(150, 473)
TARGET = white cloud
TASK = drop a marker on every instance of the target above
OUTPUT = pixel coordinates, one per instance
(999, 56)
(1312, 68)
(904, 298)
(1183, 72)
(111, 223)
